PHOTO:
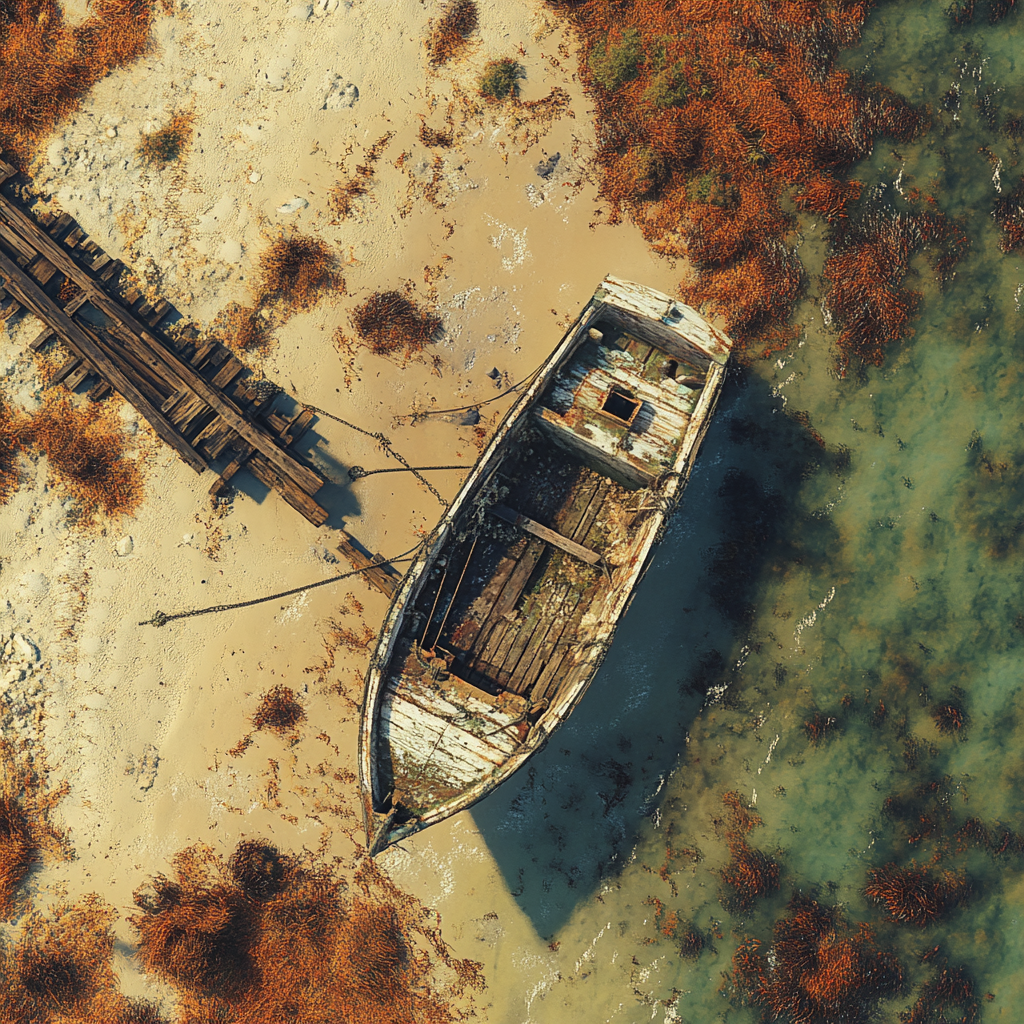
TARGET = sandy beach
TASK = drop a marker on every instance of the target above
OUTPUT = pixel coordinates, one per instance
(140, 720)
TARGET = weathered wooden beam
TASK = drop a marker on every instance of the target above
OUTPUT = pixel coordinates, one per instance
(46, 333)
(546, 534)
(267, 473)
(32, 296)
(383, 577)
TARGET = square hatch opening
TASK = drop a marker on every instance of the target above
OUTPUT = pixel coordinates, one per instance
(620, 406)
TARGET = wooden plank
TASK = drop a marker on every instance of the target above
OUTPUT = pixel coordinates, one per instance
(35, 299)
(228, 372)
(383, 577)
(42, 269)
(6, 171)
(160, 309)
(46, 333)
(66, 368)
(221, 484)
(100, 262)
(60, 225)
(547, 534)
(264, 471)
(74, 237)
(285, 464)
(110, 271)
(99, 391)
(201, 353)
(77, 376)
(298, 426)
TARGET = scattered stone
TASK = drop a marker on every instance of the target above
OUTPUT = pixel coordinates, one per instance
(255, 177)
(293, 205)
(547, 167)
(125, 546)
(338, 93)
(24, 647)
(111, 133)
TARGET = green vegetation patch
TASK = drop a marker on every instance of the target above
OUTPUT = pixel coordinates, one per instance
(501, 79)
(612, 65)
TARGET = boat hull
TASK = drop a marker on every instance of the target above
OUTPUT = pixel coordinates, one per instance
(483, 655)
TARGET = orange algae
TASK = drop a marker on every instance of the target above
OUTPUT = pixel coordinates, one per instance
(25, 829)
(263, 937)
(11, 426)
(60, 968)
(85, 448)
(46, 66)
(817, 969)
(711, 116)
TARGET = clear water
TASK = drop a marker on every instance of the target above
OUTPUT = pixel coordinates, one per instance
(792, 576)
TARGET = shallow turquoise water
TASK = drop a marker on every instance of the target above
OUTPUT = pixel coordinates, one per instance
(887, 566)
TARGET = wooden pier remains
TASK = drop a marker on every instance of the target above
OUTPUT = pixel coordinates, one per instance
(194, 392)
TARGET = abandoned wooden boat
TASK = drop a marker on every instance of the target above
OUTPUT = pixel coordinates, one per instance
(503, 619)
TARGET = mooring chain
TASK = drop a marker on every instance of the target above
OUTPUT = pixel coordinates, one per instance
(385, 444)
(160, 619)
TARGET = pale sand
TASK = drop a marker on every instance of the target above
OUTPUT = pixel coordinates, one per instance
(517, 257)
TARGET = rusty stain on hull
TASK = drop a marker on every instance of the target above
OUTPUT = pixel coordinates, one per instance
(500, 624)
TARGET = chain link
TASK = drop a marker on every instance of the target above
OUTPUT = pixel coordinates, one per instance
(385, 444)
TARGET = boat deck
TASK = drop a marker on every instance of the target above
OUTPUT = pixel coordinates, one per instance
(514, 619)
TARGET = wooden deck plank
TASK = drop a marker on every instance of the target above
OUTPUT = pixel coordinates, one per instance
(76, 377)
(66, 368)
(46, 333)
(383, 577)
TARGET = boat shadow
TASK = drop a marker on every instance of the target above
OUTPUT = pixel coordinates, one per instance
(568, 821)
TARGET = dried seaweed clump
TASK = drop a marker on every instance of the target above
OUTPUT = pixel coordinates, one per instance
(167, 144)
(914, 895)
(262, 937)
(60, 968)
(500, 79)
(711, 118)
(342, 197)
(243, 328)
(816, 969)
(298, 271)
(278, 711)
(25, 830)
(389, 321)
(85, 448)
(951, 991)
(46, 65)
(10, 447)
(448, 36)
(750, 874)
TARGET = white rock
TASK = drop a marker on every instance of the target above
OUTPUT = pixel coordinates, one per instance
(125, 546)
(293, 205)
(338, 93)
(55, 154)
(111, 133)
(301, 12)
(255, 177)
(230, 251)
(33, 585)
(25, 648)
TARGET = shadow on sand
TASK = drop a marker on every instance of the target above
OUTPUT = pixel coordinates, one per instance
(570, 818)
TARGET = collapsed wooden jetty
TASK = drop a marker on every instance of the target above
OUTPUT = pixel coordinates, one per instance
(195, 394)
(504, 617)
